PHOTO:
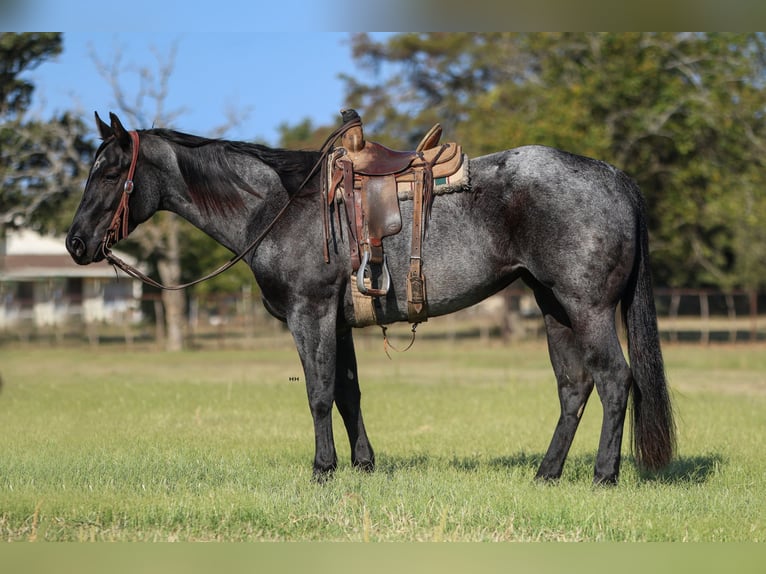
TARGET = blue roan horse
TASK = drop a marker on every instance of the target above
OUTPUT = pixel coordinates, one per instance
(572, 228)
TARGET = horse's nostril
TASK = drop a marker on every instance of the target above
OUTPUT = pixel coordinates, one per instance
(76, 247)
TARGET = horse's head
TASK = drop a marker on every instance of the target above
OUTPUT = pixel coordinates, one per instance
(95, 225)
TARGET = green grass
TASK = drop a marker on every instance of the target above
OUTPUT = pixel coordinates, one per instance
(217, 445)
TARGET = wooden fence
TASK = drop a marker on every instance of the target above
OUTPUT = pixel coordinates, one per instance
(239, 319)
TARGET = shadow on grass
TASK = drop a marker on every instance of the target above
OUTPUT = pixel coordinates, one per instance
(688, 469)
(393, 464)
(696, 469)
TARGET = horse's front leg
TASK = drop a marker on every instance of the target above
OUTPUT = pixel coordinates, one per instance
(348, 399)
(315, 338)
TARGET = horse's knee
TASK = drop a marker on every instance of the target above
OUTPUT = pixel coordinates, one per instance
(320, 405)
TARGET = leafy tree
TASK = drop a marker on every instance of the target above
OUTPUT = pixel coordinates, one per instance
(682, 113)
(42, 163)
(674, 111)
(304, 135)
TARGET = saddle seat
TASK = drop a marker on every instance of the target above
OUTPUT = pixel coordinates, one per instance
(376, 159)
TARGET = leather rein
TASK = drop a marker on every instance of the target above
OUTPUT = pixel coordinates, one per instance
(118, 228)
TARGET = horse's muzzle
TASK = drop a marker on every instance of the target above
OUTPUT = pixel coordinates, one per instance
(77, 249)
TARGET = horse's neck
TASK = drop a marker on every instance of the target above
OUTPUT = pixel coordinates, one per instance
(230, 227)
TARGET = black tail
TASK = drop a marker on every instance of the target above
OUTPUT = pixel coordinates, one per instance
(652, 420)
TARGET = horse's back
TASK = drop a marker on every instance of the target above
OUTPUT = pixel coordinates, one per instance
(544, 183)
(551, 170)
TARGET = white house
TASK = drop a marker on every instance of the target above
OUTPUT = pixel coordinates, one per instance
(42, 285)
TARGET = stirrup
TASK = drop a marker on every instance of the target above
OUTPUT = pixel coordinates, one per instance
(364, 266)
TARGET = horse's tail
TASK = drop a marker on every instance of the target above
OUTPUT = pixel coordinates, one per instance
(652, 414)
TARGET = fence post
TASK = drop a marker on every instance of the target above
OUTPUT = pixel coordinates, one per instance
(705, 314)
(159, 325)
(247, 311)
(193, 318)
(732, 314)
(675, 303)
(753, 296)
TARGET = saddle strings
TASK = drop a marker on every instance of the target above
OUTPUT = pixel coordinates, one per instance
(387, 344)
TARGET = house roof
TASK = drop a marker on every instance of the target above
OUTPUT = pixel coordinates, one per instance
(30, 256)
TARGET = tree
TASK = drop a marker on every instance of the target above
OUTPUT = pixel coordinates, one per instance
(42, 163)
(304, 135)
(681, 113)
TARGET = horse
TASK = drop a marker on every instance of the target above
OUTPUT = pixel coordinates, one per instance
(571, 228)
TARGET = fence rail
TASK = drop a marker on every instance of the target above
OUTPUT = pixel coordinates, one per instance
(237, 320)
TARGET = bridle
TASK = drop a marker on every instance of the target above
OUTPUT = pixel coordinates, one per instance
(118, 228)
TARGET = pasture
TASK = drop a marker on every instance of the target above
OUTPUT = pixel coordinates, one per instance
(108, 444)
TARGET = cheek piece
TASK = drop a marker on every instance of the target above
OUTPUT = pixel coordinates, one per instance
(118, 228)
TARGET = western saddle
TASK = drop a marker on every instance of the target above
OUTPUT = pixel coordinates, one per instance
(368, 179)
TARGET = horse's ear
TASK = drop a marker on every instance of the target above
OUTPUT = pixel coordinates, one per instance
(120, 133)
(103, 128)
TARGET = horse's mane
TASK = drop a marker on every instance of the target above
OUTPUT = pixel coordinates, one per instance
(212, 182)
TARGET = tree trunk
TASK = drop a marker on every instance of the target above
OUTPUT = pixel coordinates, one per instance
(169, 268)
(175, 306)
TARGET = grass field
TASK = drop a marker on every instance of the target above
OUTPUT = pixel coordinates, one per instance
(217, 445)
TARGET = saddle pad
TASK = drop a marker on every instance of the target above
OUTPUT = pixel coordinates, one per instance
(457, 182)
(364, 306)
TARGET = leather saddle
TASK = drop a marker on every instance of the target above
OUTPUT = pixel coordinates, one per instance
(366, 178)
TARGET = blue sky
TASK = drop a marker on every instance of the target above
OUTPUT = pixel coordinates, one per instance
(164, 15)
(400, 15)
(277, 77)
(279, 60)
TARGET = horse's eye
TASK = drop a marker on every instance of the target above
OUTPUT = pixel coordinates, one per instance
(111, 176)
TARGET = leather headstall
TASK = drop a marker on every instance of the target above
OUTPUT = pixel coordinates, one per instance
(118, 228)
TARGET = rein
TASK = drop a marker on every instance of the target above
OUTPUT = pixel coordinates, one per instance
(118, 229)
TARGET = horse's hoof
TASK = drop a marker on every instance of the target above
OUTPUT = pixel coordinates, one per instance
(320, 476)
(365, 465)
(546, 479)
(610, 480)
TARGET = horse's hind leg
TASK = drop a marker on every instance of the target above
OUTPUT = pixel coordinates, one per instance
(574, 383)
(347, 399)
(605, 361)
